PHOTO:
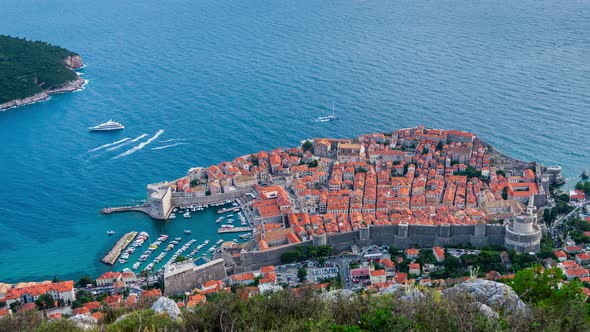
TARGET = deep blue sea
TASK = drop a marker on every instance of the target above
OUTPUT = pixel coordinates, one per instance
(235, 77)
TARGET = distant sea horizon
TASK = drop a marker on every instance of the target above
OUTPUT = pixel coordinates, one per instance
(200, 82)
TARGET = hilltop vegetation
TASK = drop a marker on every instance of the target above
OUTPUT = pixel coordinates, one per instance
(551, 305)
(30, 67)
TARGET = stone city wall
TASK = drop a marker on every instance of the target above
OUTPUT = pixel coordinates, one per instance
(399, 236)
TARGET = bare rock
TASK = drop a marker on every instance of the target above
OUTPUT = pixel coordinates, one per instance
(164, 304)
(74, 62)
(493, 294)
(486, 310)
(336, 294)
(406, 293)
(84, 322)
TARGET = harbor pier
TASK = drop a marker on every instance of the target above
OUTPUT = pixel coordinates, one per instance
(111, 257)
(234, 230)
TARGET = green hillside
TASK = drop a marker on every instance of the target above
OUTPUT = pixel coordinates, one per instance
(29, 67)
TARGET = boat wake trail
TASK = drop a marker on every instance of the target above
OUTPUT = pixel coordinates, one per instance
(109, 144)
(174, 139)
(116, 147)
(168, 146)
(140, 145)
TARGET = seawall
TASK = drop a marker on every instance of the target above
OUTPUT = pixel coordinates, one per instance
(111, 257)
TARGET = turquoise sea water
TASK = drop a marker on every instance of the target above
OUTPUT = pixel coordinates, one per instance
(235, 77)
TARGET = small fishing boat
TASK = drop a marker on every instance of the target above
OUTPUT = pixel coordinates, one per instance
(187, 231)
(110, 232)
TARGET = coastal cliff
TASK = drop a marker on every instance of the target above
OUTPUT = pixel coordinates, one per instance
(74, 62)
(31, 71)
(71, 86)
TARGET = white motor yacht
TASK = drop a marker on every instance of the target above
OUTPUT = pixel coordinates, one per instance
(107, 126)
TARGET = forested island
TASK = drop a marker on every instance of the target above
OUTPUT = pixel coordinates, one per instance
(32, 70)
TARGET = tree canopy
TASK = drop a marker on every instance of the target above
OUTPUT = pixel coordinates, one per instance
(29, 67)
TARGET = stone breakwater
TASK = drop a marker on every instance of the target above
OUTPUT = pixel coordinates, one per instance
(73, 62)
(111, 257)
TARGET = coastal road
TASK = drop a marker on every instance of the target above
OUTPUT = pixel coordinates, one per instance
(555, 226)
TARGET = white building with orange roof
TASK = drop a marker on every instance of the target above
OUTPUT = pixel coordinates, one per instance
(378, 276)
(108, 278)
(63, 290)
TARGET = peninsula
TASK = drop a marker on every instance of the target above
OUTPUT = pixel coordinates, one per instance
(329, 220)
(30, 71)
(412, 187)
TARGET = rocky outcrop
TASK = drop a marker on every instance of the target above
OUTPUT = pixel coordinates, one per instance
(122, 317)
(486, 310)
(73, 62)
(406, 293)
(493, 294)
(71, 86)
(25, 101)
(164, 304)
(84, 322)
(335, 295)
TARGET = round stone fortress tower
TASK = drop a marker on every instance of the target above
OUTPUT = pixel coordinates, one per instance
(523, 234)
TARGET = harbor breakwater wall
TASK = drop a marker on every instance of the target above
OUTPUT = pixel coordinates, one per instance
(400, 236)
(206, 200)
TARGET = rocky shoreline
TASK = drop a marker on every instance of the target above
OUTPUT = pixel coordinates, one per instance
(73, 62)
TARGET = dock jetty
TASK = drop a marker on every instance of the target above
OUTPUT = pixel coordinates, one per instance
(229, 209)
(234, 230)
(111, 257)
(140, 208)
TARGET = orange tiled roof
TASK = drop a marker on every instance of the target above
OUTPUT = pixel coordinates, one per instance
(39, 289)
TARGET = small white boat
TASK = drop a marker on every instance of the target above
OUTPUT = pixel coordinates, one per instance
(187, 214)
(187, 231)
(110, 232)
(172, 216)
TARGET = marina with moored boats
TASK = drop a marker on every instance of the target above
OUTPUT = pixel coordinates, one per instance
(162, 250)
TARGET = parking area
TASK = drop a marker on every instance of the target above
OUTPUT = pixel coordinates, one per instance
(317, 272)
(288, 273)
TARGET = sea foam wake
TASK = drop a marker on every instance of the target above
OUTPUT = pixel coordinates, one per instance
(168, 146)
(116, 147)
(140, 145)
(174, 139)
(109, 144)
